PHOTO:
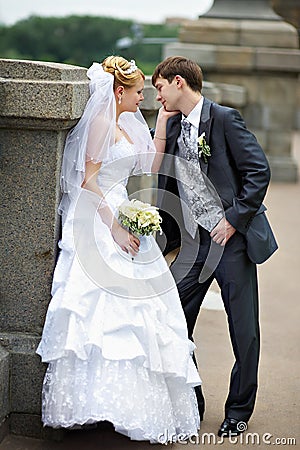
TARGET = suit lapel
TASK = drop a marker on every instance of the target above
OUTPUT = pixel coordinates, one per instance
(204, 127)
(173, 131)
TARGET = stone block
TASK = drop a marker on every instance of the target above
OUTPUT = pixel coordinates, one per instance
(26, 424)
(297, 115)
(232, 95)
(278, 89)
(26, 372)
(279, 142)
(4, 384)
(270, 33)
(30, 425)
(233, 57)
(27, 375)
(4, 429)
(257, 116)
(278, 60)
(297, 119)
(251, 33)
(37, 70)
(210, 31)
(281, 117)
(210, 90)
(249, 83)
(42, 99)
(283, 169)
(269, 117)
(204, 55)
(33, 89)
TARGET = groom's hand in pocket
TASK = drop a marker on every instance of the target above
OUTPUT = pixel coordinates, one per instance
(222, 232)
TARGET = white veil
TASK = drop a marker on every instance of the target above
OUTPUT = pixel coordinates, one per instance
(94, 134)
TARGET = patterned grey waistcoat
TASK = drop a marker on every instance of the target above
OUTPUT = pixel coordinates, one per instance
(200, 203)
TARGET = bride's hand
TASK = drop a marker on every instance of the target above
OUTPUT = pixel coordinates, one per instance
(127, 242)
(164, 114)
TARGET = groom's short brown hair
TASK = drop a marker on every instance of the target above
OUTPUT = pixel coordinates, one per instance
(179, 65)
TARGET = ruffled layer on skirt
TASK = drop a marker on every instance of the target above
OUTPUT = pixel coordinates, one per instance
(141, 404)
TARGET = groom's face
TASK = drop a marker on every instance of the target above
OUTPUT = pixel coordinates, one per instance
(167, 93)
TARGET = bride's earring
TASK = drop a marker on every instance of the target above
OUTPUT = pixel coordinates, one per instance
(120, 100)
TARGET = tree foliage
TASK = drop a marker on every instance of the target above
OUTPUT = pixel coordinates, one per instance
(80, 40)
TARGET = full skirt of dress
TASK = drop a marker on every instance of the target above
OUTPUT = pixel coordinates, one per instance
(115, 338)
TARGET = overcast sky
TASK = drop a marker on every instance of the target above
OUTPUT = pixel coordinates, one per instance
(151, 11)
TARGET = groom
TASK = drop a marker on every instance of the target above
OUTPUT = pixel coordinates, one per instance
(220, 224)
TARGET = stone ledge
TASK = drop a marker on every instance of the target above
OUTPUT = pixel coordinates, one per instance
(210, 31)
(280, 60)
(240, 32)
(40, 90)
(40, 70)
(14, 123)
(19, 342)
(233, 58)
(229, 58)
(43, 99)
(273, 34)
(196, 52)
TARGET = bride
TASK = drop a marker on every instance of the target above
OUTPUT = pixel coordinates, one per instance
(115, 336)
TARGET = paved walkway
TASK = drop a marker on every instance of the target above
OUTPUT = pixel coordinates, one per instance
(276, 415)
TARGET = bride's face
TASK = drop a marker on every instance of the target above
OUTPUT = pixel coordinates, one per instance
(132, 97)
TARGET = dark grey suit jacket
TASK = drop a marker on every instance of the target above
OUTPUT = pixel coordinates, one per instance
(237, 168)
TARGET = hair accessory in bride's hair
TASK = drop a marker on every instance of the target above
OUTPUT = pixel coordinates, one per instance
(132, 68)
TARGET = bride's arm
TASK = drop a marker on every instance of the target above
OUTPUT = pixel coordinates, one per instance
(125, 240)
(160, 136)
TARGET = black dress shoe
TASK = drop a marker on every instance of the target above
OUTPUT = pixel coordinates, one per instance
(232, 427)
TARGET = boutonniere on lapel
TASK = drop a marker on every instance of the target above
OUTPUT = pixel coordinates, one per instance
(203, 147)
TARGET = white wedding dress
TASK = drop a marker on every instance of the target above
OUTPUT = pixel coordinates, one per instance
(115, 336)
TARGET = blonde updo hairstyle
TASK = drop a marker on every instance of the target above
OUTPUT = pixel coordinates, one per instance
(117, 65)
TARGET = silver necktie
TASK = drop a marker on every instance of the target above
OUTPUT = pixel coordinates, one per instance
(186, 133)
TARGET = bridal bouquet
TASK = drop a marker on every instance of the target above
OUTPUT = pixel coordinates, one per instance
(140, 218)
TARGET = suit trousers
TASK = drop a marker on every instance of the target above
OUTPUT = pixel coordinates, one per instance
(236, 276)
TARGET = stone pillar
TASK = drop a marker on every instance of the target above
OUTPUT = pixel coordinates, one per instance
(40, 102)
(245, 43)
(242, 9)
